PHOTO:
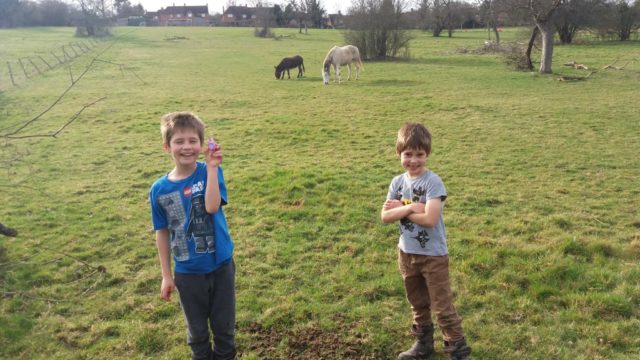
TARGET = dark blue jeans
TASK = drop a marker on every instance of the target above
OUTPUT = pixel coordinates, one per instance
(209, 300)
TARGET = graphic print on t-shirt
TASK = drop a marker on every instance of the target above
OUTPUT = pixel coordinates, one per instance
(200, 227)
(417, 195)
(171, 203)
(422, 237)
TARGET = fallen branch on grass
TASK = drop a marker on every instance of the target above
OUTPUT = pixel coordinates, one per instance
(575, 65)
(611, 66)
(573, 78)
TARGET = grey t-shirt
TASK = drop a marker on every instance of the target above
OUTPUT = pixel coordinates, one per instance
(415, 239)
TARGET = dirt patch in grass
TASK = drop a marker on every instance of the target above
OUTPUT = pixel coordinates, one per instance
(310, 344)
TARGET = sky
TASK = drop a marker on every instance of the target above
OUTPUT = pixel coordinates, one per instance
(215, 6)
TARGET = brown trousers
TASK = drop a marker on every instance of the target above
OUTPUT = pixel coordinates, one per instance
(426, 281)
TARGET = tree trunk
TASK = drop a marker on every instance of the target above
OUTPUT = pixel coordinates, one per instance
(495, 31)
(532, 41)
(546, 33)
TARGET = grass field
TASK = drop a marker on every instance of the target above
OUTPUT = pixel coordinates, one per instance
(542, 214)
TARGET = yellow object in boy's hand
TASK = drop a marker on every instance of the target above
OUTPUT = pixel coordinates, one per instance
(406, 201)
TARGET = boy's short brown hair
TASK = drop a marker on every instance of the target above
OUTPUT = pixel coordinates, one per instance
(180, 120)
(413, 136)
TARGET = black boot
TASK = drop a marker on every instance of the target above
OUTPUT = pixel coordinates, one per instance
(458, 350)
(423, 347)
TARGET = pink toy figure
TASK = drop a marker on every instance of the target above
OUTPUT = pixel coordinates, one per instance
(212, 145)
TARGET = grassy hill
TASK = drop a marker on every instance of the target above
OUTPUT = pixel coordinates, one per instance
(542, 214)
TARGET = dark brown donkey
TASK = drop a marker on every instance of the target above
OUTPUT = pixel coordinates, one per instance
(290, 63)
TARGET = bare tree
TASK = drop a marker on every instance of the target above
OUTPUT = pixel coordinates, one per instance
(96, 18)
(422, 14)
(376, 28)
(489, 11)
(438, 18)
(265, 19)
(574, 15)
(625, 19)
(541, 12)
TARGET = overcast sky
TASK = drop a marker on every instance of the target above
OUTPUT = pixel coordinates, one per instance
(215, 6)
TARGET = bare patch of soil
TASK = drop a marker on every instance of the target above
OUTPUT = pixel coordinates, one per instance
(309, 344)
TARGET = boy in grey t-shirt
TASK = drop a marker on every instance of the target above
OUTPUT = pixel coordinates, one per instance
(416, 199)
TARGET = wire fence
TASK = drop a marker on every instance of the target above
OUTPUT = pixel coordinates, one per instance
(20, 70)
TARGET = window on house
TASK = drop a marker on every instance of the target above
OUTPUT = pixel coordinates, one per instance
(253, 16)
(244, 16)
(190, 14)
(229, 15)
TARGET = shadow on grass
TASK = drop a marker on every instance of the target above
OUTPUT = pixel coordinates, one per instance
(393, 82)
(463, 61)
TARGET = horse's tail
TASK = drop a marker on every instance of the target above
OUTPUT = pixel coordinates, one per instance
(356, 52)
(302, 64)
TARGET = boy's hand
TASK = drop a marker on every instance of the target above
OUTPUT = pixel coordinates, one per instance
(391, 204)
(213, 157)
(167, 287)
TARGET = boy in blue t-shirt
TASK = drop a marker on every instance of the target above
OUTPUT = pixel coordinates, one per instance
(187, 215)
(415, 199)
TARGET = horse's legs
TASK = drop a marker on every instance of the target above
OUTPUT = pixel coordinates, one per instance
(349, 77)
(288, 74)
(357, 71)
(336, 69)
(299, 71)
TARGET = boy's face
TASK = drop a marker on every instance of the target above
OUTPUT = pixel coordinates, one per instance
(413, 160)
(184, 147)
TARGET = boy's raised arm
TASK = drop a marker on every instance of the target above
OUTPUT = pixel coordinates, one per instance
(212, 198)
(164, 254)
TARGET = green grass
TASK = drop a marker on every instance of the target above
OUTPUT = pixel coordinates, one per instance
(542, 177)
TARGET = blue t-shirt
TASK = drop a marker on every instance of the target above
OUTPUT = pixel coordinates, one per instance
(199, 241)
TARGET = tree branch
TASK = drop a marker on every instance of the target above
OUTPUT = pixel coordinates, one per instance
(54, 134)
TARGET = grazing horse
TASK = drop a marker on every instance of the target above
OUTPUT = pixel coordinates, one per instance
(290, 63)
(339, 56)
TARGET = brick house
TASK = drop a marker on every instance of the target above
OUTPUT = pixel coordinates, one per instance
(180, 16)
(239, 16)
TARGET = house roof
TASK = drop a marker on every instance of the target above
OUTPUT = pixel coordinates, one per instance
(184, 10)
(238, 11)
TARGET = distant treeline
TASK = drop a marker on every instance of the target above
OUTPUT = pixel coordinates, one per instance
(609, 19)
(23, 13)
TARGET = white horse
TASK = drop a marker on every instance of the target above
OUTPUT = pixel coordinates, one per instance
(339, 56)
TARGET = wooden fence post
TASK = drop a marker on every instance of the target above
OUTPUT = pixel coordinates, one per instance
(23, 69)
(57, 58)
(35, 66)
(45, 62)
(66, 56)
(11, 74)
(74, 50)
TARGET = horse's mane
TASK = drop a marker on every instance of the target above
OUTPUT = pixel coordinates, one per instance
(329, 58)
